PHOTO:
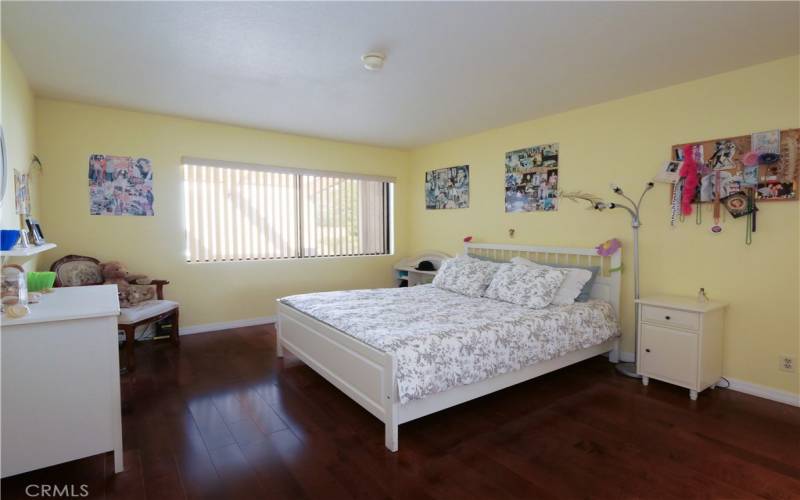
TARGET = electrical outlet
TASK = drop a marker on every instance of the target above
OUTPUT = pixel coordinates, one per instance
(787, 364)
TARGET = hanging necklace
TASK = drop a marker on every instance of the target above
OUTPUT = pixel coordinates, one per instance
(716, 228)
(677, 194)
(751, 217)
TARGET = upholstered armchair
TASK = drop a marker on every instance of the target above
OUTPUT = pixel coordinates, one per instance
(79, 270)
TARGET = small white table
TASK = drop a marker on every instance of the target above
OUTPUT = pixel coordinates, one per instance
(406, 269)
(680, 341)
(416, 277)
(60, 380)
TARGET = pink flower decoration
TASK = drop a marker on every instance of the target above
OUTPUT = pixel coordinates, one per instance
(608, 248)
(750, 159)
(467, 239)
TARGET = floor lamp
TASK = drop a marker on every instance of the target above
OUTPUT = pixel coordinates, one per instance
(629, 369)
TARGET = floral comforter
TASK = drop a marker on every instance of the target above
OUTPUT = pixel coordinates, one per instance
(443, 339)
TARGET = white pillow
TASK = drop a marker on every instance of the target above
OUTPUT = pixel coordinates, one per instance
(533, 287)
(465, 275)
(571, 287)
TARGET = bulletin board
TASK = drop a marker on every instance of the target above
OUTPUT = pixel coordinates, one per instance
(749, 162)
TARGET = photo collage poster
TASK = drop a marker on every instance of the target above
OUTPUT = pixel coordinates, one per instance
(447, 188)
(120, 185)
(532, 179)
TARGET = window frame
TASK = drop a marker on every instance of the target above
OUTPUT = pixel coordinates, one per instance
(299, 223)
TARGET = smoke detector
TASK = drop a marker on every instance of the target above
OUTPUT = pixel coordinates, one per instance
(373, 61)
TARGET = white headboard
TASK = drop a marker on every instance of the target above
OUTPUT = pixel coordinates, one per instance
(607, 285)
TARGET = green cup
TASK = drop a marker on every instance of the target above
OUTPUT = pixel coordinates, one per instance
(40, 280)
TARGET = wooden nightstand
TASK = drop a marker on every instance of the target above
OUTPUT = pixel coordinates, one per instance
(680, 341)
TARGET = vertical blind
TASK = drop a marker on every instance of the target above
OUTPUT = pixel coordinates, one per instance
(238, 211)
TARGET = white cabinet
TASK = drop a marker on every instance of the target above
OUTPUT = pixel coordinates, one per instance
(680, 341)
(60, 380)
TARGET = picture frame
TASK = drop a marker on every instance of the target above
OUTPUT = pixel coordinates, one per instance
(35, 231)
(669, 172)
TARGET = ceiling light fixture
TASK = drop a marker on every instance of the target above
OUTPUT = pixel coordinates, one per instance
(373, 61)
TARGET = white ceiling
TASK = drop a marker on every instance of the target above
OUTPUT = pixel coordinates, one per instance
(451, 68)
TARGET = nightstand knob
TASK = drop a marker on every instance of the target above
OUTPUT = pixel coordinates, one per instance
(666, 318)
(647, 350)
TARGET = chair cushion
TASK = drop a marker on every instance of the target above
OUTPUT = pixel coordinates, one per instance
(144, 310)
(79, 273)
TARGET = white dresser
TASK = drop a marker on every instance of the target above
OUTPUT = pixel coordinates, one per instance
(680, 341)
(60, 380)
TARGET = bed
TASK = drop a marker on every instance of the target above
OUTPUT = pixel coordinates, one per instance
(406, 353)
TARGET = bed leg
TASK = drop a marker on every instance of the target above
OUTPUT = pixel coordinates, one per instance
(278, 345)
(391, 423)
(391, 437)
(391, 406)
(613, 354)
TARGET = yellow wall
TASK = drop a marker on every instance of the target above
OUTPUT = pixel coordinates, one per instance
(17, 110)
(625, 141)
(67, 133)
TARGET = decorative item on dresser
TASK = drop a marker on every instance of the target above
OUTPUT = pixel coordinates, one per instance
(681, 341)
(78, 270)
(415, 271)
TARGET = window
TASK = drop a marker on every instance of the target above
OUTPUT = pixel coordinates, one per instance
(236, 211)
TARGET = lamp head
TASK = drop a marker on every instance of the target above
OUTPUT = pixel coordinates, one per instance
(602, 205)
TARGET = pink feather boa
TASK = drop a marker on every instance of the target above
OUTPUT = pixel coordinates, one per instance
(688, 173)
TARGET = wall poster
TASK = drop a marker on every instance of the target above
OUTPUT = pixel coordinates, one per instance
(22, 193)
(447, 188)
(532, 179)
(120, 185)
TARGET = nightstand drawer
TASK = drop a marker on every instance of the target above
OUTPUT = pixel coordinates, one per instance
(668, 354)
(672, 317)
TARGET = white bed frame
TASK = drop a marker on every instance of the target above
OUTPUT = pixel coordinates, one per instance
(368, 375)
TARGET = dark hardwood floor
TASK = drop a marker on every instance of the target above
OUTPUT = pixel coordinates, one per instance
(223, 418)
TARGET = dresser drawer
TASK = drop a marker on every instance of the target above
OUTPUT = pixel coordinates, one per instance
(668, 354)
(672, 317)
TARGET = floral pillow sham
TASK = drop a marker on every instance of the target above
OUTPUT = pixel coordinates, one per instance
(577, 284)
(465, 275)
(528, 286)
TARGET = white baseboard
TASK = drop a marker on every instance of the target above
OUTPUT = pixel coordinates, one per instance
(626, 357)
(750, 388)
(761, 391)
(227, 325)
